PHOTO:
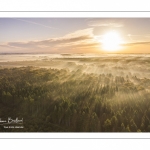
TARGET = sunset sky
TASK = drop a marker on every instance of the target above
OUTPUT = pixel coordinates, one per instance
(74, 35)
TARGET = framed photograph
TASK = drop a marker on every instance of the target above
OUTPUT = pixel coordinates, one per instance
(75, 74)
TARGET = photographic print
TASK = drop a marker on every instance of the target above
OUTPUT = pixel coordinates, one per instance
(74, 74)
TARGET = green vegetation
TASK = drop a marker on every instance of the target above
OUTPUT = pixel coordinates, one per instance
(52, 100)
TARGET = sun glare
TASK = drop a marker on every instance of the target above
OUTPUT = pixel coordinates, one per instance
(111, 41)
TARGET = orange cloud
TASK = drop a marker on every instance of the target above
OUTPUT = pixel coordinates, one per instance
(84, 38)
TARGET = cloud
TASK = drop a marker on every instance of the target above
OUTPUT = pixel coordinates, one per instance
(55, 41)
(8, 46)
(79, 38)
(35, 23)
(69, 38)
(98, 23)
(137, 43)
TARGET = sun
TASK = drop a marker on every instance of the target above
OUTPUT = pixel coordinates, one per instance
(111, 41)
